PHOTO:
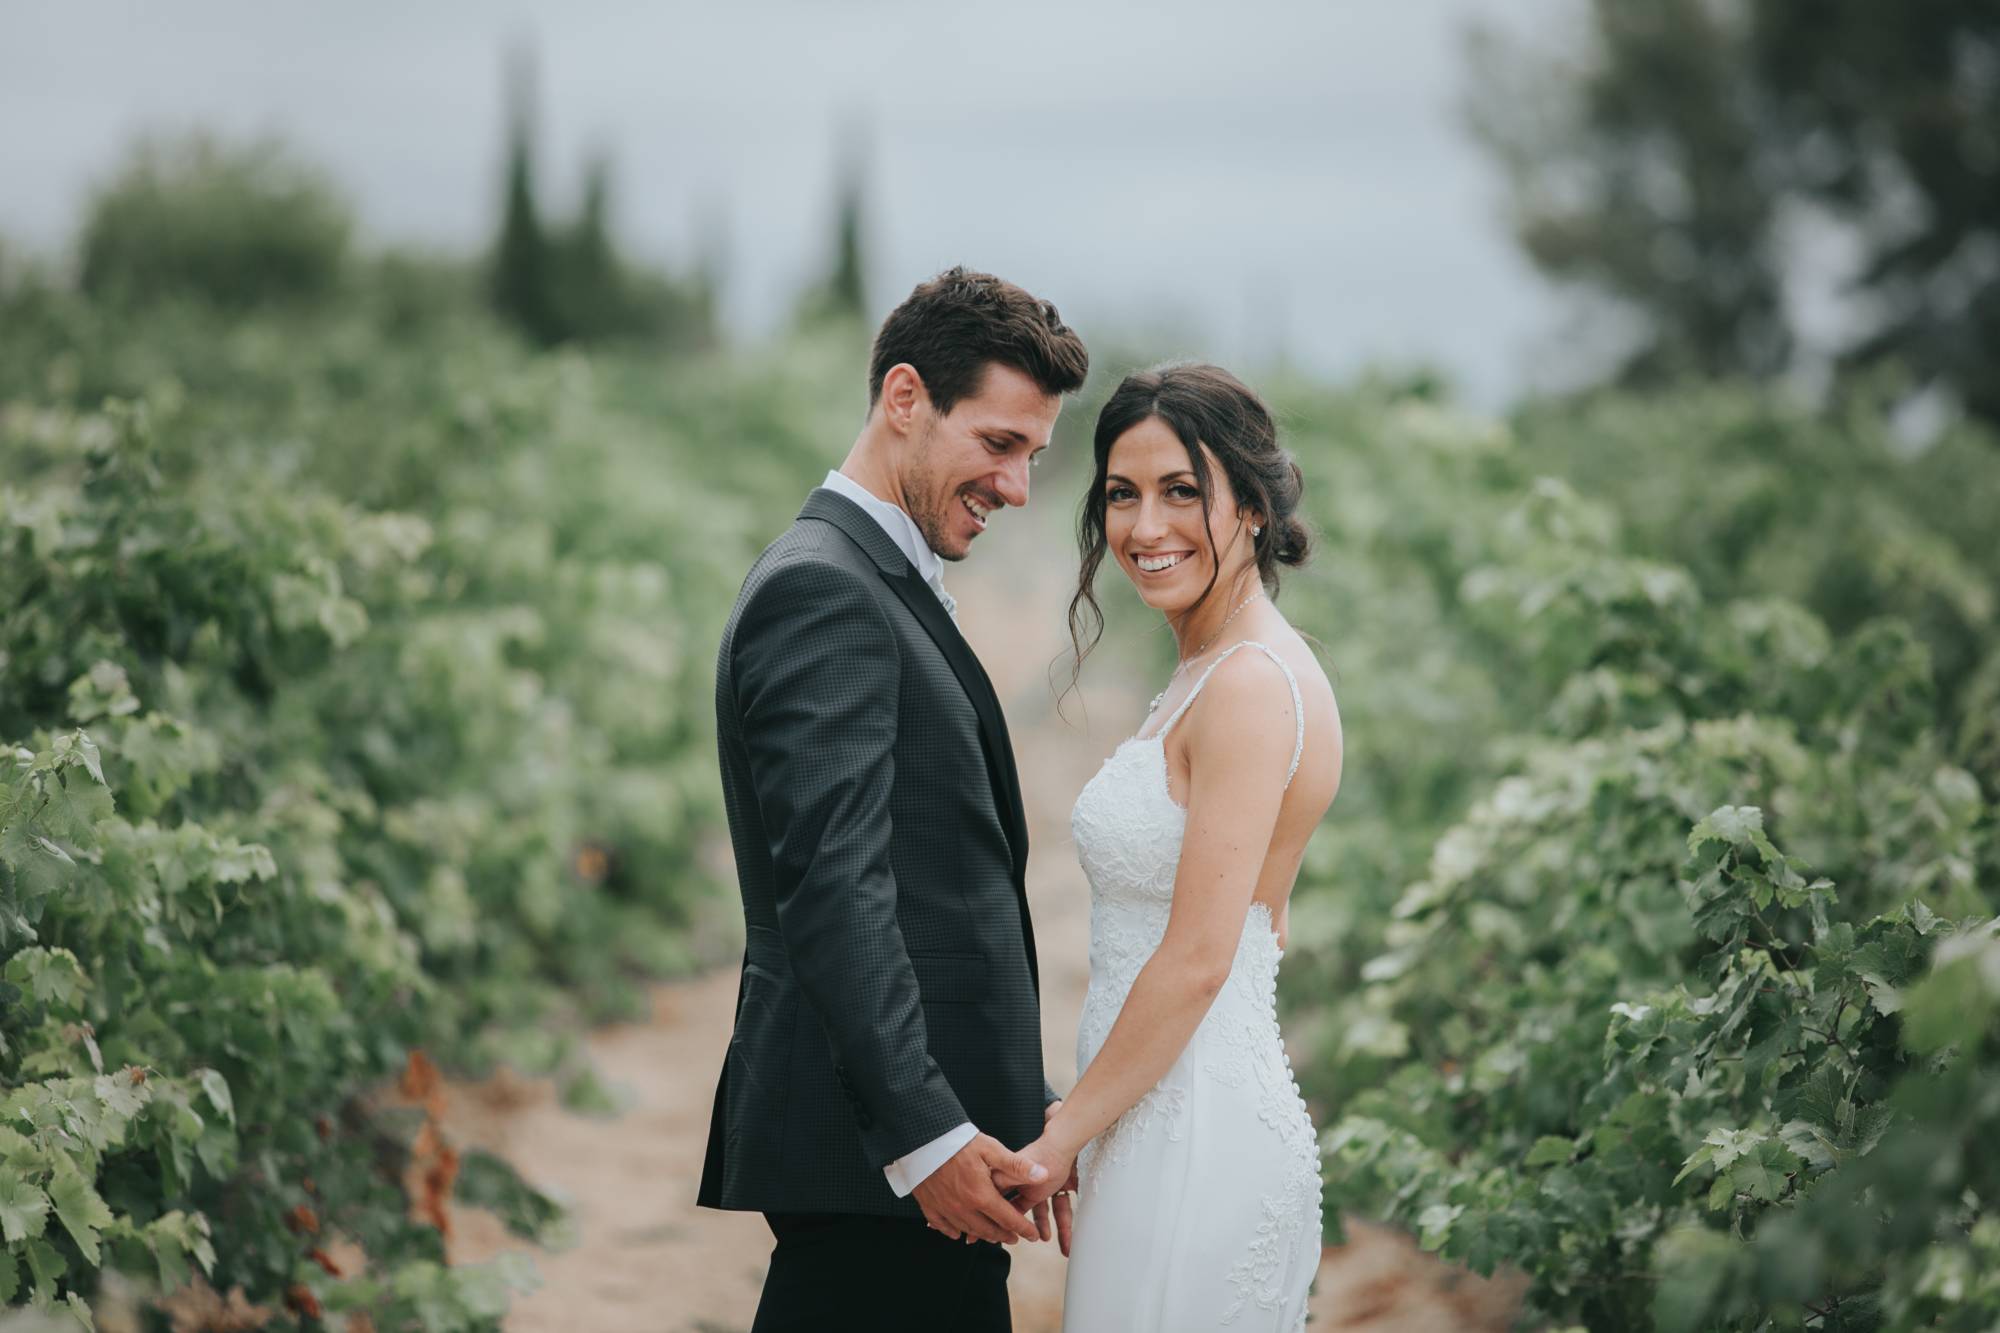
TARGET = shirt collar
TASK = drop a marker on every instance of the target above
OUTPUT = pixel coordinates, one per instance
(902, 529)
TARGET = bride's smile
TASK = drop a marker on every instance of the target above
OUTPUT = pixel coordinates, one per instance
(1159, 563)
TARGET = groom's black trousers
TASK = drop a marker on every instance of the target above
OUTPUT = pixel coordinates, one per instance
(884, 1274)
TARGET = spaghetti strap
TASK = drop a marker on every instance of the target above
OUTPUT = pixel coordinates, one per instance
(1298, 704)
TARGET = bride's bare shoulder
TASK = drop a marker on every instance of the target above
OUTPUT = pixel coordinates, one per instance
(1307, 660)
(1305, 657)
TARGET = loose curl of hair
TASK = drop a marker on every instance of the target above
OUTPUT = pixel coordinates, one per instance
(1202, 405)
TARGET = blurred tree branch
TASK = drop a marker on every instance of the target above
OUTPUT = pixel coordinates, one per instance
(1660, 162)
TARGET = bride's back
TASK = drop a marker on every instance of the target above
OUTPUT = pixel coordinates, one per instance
(1312, 787)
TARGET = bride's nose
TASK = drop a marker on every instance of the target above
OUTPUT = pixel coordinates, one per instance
(1150, 522)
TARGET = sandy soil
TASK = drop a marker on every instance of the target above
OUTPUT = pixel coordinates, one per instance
(648, 1259)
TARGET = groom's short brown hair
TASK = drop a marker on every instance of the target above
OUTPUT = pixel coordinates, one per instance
(952, 326)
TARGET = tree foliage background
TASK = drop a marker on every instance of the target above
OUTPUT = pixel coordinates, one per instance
(1674, 161)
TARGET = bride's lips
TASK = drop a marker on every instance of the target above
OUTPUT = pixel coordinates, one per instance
(1147, 564)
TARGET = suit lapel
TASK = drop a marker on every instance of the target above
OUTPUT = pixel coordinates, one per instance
(902, 577)
(923, 604)
(930, 613)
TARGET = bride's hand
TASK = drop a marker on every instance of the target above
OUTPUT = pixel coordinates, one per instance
(1053, 1194)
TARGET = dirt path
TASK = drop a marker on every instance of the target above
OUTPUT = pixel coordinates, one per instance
(648, 1259)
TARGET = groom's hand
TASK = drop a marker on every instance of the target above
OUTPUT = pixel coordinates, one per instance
(963, 1198)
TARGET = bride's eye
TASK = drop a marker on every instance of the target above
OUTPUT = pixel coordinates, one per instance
(1116, 493)
(1183, 491)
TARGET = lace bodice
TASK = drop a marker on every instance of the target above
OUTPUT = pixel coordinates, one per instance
(1128, 831)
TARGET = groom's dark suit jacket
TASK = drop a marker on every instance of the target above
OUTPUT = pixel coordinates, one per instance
(890, 989)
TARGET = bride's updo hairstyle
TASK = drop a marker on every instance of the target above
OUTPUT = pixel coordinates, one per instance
(1203, 405)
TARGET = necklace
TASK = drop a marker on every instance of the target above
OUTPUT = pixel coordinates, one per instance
(1205, 646)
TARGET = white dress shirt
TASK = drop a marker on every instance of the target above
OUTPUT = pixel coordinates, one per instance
(909, 1171)
(902, 530)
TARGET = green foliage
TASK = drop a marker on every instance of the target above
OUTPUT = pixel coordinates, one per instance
(1637, 953)
(355, 692)
(354, 697)
(1669, 161)
(487, 1181)
(1635, 170)
(239, 225)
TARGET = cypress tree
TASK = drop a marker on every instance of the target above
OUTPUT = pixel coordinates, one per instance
(521, 277)
(843, 293)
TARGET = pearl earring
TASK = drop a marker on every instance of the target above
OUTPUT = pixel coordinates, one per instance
(1256, 530)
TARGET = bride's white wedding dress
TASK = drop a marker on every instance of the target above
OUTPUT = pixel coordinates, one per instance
(1199, 1208)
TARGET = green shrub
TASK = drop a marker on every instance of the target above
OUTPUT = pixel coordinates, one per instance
(356, 697)
(235, 224)
(1599, 1026)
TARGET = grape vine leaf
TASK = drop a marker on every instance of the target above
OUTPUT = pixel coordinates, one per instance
(82, 1212)
(1809, 1141)
(75, 808)
(76, 1308)
(1550, 1151)
(120, 1095)
(1733, 825)
(45, 1265)
(91, 761)
(1434, 1224)
(217, 1088)
(1761, 1172)
(1821, 1100)
(52, 976)
(174, 1239)
(23, 1208)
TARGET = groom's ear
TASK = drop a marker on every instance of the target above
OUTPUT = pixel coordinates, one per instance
(903, 397)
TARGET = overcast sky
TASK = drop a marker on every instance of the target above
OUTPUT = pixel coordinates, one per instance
(1237, 181)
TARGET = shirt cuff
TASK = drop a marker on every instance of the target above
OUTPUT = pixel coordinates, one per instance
(909, 1171)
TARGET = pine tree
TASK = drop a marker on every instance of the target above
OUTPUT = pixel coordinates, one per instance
(522, 263)
(843, 293)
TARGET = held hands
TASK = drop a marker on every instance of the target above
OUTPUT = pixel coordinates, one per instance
(963, 1197)
(1040, 1196)
(985, 1192)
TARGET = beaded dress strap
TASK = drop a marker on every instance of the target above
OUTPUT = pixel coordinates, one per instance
(1298, 704)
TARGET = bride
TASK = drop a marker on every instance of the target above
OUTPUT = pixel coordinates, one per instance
(1193, 1159)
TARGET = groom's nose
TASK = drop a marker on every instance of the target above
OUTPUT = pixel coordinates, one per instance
(1012, 482)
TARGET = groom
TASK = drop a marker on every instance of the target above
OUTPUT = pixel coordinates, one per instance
(886, 1062)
